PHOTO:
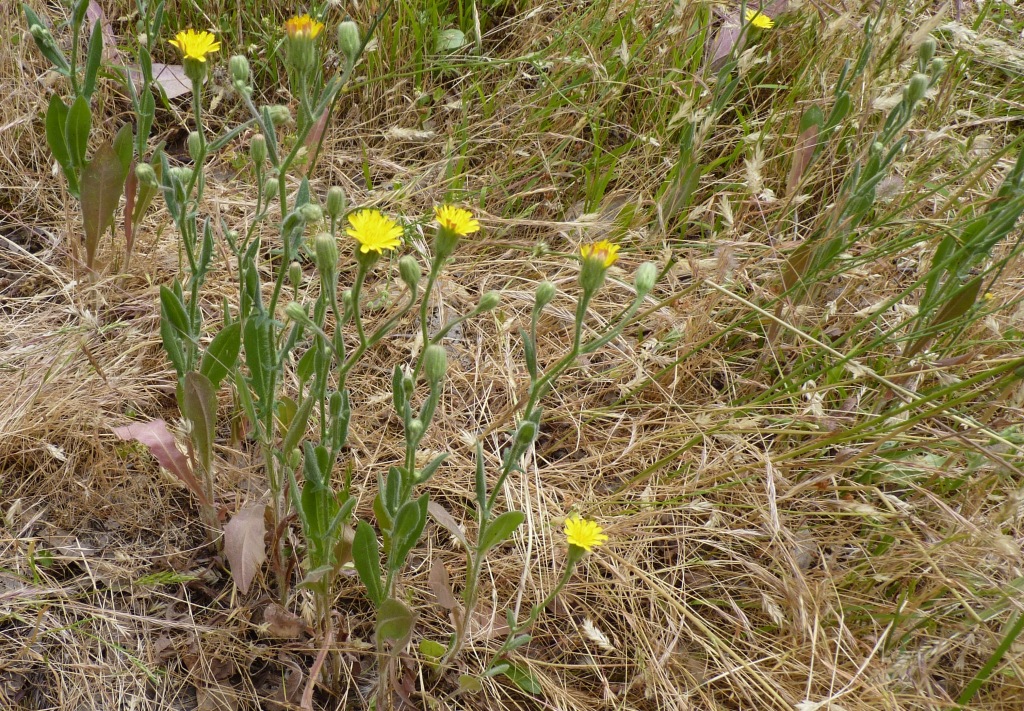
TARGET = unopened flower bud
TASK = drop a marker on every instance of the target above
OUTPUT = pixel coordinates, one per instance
(336, 202)
(181, 174)
(326, 253)
(917, 87)
(296, 313)
(416, 428)
(311, 212)
(195, 145)
(294, 459)
(239, 67)
(269, 190)
(645, 277)
(146, 175)
(295, 275)
(348, 41)
(938, 66)
(435, 362)
(279, 114)
(258, 149)
(545, 293)
(925, 52)
(489, 301)
(409, 270)
(526, 432)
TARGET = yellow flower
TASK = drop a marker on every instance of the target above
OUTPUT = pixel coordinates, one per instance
(195, 45)
(456, 219)
(583, 534)
(303, 26)
(759, 20)
(373, 231)
(603, 251)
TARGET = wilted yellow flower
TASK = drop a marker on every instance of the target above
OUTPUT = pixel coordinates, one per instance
(603, 251)
(373, 231)
(456, 219)
(303, 26)
(195, 45)
(583, 534)
(759, 20)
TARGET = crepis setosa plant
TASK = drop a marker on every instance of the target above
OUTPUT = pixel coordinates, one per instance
(290, 363)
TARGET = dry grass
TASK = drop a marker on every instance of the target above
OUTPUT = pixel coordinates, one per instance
(768, 548)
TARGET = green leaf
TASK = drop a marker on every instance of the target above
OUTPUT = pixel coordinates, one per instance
(523, 678)
(259, 355)
(172, 346)
(222, 354)
(49, 50)
(92, 60)
(501, 529)
(173, 310)
(124, 146)
(76, 131)
(409, 525)
(199, 406)
(449, 40)
(366, 557)
(395, 622)
(297, 428)
(102, 185)
(428, 471)
(56, 121)
(469, 683)
(432, 649)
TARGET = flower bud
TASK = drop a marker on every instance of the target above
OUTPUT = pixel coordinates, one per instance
(348, 41)
(925, 52)
(258, 149)
(311, 212)
(526, 432)
(296, 313)
(279, 114)
(917, 87)
(326, 253)
(938, 66)
(435, 362)
(415, 428)
(146, 175)
(239, 67)
(295, 275)
(409, 270)
(489, 301)
(545, 293)
(645, 277)
(195, 145)
(294, 459)
(336, 202)
(181, 175)
(269, 190)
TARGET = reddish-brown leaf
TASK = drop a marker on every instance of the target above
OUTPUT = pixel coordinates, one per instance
(244, 546)
(160, 442)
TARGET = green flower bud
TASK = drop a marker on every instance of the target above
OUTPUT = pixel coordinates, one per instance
(489, 301)
(258, 149)
(195, 145)
(239, 67)
(269, 190)
(146, 175)
(279, 114)
(545, 293)
(295, 275)
(326, 253)
(181, 175)
(938, 66)
(337, 203)
(925, 53)
(409, 270)
(296, 313)
(311, 212)
(435, 363)
(525, 433)
(294, 459)
(348, 41)
(416, 428)
(917, 87)
(645, 277)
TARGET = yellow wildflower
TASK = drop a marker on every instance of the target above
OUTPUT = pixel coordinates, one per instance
(303, 26)
(456, 219)
(373, 231)
(583, 534)
(603, 251)
(759, 20)
(195, 45)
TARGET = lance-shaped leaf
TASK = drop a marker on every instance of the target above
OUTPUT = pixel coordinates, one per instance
(160, 442)
(395, 623)
(244, 546)
(56, 139)
(366, 558)
(199, 406)
(102, 184)
(222, 354)
(501, 529)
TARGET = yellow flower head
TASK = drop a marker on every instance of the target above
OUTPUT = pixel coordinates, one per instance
(583, 534)
(456, 219)
(759, 20)
(195, 45)
(373, 231)
(303, 26)
(603, 251)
